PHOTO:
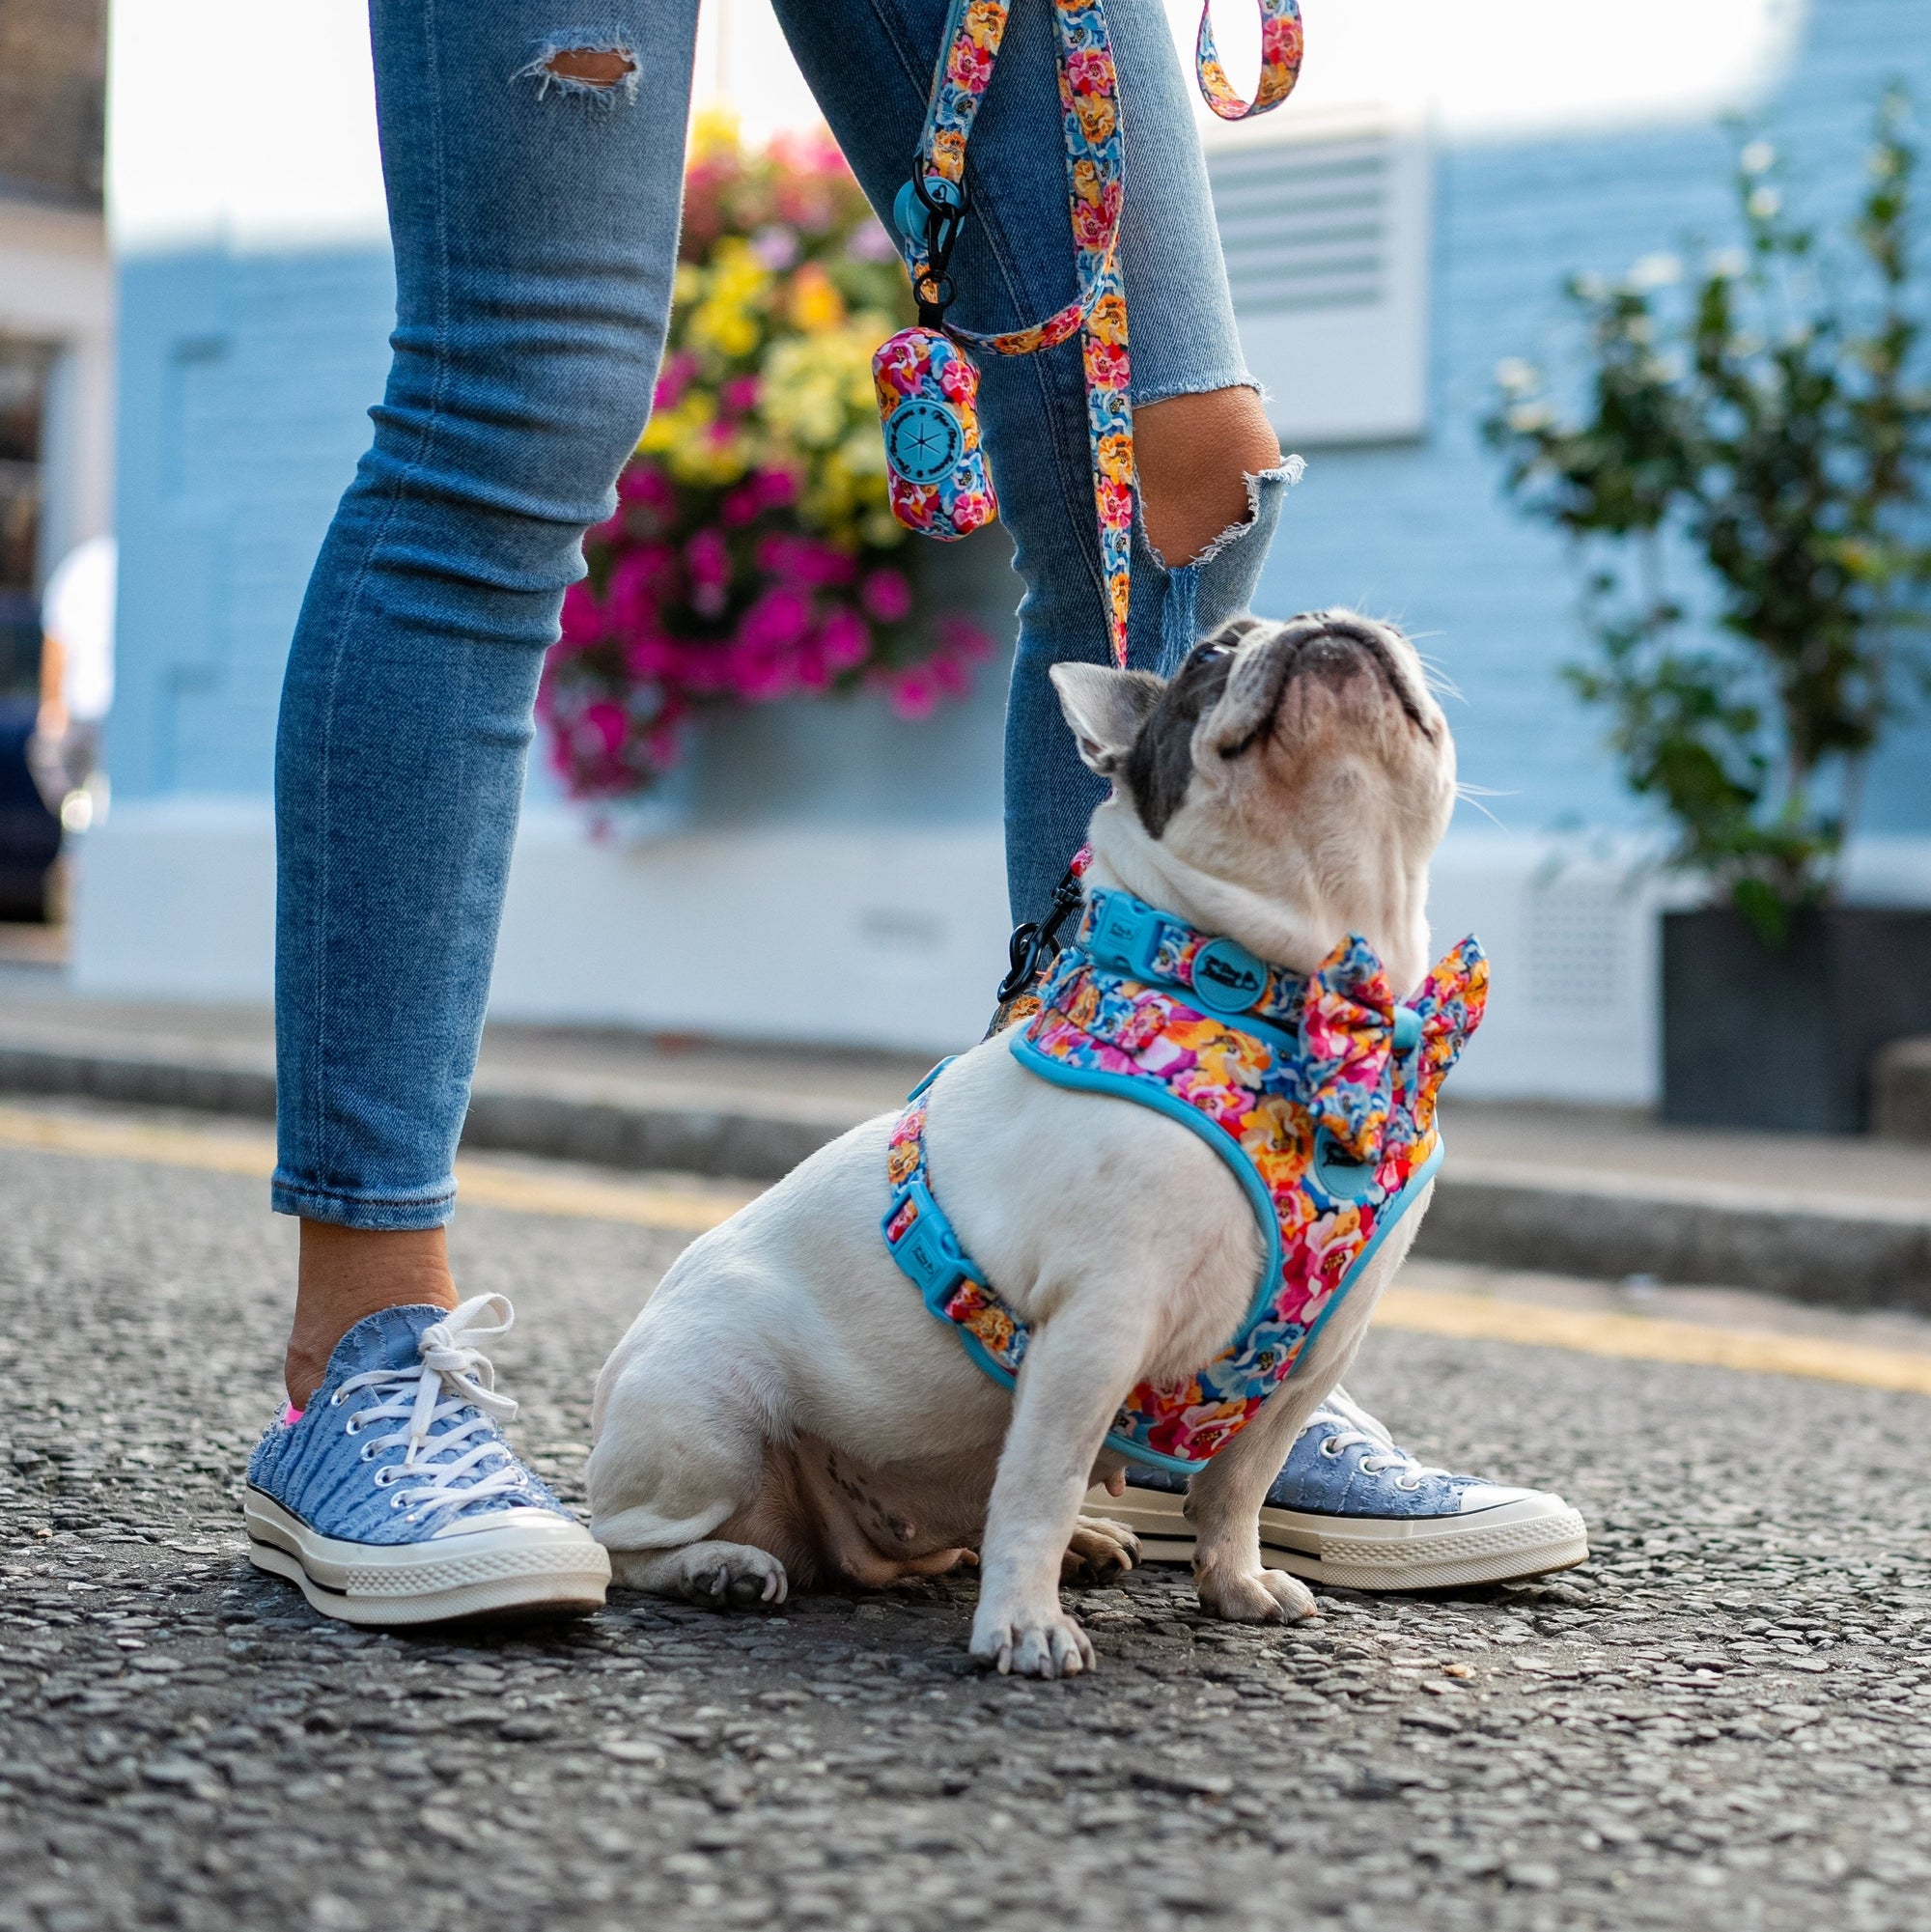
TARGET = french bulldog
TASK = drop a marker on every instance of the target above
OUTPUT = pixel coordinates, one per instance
(784, 1410)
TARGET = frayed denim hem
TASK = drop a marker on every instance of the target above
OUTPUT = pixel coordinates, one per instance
(375, 1212)
(1200, 596)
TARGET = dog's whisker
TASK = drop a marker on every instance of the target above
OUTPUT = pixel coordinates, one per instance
(1468, 799)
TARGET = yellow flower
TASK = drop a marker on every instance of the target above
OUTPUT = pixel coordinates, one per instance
(816, 305)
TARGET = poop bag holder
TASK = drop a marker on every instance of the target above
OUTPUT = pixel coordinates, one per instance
(929, 398)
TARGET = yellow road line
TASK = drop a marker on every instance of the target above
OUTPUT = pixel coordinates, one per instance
(679, 1211)
(691, 1210)
(1433, 1311)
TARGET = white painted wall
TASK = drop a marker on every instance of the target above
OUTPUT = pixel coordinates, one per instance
(56, 287)
(859, 937)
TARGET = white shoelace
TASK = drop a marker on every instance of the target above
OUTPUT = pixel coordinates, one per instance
(452, 1374)
(1354, 1425)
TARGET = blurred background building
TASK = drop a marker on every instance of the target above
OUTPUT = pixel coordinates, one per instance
(1396, 231)
(56, 369)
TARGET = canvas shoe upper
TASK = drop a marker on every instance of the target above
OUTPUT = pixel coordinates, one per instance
(1352, 1508)
(393, 1497)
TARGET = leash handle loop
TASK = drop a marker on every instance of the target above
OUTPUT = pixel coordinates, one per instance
(1096, 190)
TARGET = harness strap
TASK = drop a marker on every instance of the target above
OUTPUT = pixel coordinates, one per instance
(1323, 1112)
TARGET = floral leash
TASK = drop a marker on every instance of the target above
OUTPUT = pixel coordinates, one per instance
(926, 381)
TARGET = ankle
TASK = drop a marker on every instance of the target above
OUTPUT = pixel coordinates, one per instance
(349, 1273)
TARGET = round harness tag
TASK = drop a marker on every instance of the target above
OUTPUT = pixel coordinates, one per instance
(1227, 978)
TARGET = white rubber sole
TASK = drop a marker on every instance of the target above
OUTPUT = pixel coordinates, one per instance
(1527, 1537)
(540, 1565)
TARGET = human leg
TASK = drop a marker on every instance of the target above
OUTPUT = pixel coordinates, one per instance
(534, 189)
(1201, 432)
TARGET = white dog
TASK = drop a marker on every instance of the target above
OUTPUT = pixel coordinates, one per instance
(785, 1407)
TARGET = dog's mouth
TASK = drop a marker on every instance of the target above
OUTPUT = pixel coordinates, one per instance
(1335, 649)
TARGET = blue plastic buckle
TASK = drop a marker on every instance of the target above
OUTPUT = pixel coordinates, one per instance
(927, 1253)
(1124, 933)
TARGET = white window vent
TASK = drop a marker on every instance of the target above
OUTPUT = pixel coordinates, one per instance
(1326, 230)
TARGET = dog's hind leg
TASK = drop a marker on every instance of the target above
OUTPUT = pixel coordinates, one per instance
(682, 1455)
(725, 1576)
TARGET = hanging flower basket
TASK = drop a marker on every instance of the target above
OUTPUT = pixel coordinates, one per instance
(753, 555)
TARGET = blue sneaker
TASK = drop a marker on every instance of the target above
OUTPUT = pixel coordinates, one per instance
(1350, 1509)
(392, 1498)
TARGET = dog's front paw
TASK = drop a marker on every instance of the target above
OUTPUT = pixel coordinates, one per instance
(1258, 1596)
(1050, 1644)
(1099, 1550)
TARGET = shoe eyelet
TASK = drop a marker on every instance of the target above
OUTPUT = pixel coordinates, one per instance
(395, 1502)
(336, 1400)
(1408, 1483)
(1330, 1448)
(352, 1426)
(367, 1455)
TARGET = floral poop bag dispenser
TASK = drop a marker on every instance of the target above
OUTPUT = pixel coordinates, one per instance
(926, 379)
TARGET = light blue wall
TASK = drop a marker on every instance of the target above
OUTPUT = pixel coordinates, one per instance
(244, 378)
(1421, 534)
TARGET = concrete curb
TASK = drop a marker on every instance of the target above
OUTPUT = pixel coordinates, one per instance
(1840, 1250)
(1837, 1253)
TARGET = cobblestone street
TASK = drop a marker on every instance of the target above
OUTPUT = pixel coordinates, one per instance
(1723, 1720)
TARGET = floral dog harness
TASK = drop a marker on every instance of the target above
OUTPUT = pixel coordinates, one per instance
(1319, 1094)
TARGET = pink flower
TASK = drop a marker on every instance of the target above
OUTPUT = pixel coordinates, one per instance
(970, 509)
(1090, 70)
(707, 559)
(675, 379)
(912, 695)
(775, 246)
(776, 489)
(776, 621)
(843, 640)
(759, 673)
(802, 560)
(963, 638)
(738, 395)
(639, 581)
(641, 483)
(887, 596)
(648, 658)
(584, 620)
(607, 721)
(958, 380)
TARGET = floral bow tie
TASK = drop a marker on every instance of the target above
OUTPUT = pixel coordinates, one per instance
(1348, 1043)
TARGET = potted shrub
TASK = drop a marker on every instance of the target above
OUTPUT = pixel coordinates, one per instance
(1758, 431)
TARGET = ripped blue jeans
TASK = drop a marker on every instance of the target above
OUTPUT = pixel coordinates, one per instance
(534, 204)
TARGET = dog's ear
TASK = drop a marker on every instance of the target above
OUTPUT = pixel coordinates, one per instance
(1106, 709)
